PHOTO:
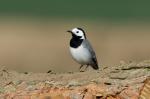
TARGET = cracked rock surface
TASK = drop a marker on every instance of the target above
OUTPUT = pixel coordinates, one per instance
(123, 81)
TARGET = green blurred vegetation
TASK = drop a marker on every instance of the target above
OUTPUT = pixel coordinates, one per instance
(95, 9)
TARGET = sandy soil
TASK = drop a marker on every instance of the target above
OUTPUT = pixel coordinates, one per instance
(34, 46)
(123, 81)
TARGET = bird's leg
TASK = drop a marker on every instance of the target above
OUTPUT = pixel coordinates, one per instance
(80, 68)
(86, 67)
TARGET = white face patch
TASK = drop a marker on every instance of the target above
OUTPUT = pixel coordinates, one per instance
(78, 32)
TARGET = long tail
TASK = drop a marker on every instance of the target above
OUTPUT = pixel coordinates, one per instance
(95, 64)
(95, 67)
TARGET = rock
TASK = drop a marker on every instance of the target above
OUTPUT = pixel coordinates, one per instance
(32, 82)
(17, 82)
(116, 82)
(31, 88)
(2, 90)
(9, 89)
(76, 96)
(73, 83)
(128, 93)
(120, 75)
(145, 90)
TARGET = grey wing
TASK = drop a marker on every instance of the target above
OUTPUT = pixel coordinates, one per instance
(87, 45)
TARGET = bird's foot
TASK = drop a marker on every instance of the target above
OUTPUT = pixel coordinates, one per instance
(85, 69)
(80, 69)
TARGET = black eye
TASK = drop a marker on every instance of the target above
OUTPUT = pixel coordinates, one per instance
(77, 32)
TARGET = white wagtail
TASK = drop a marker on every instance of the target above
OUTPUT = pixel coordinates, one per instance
(81, 50)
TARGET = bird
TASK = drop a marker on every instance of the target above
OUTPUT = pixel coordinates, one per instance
(81, 49)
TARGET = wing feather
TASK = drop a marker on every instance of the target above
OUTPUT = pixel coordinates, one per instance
(87, 45)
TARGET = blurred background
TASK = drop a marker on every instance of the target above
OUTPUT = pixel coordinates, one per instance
(33, 33)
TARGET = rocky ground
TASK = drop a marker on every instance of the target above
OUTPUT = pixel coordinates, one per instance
(123, 81)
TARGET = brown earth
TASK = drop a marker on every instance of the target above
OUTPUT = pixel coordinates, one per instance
(35, 45)
(123, 81)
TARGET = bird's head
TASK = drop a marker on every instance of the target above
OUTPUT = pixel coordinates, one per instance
(78, 32)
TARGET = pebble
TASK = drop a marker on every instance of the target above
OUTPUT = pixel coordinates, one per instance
(2, 90)
(10, 88)
(73, 84)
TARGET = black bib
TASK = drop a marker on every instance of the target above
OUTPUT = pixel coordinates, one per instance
(75, 42)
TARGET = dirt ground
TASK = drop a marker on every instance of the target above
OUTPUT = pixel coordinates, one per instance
(28, 48)
(123, 81)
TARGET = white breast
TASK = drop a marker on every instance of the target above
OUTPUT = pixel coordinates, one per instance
(81, 55)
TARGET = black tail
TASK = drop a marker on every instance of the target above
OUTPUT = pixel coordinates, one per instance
(95, 67)
(95, 64)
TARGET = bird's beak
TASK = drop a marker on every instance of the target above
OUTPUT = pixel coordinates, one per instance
(69, 31)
